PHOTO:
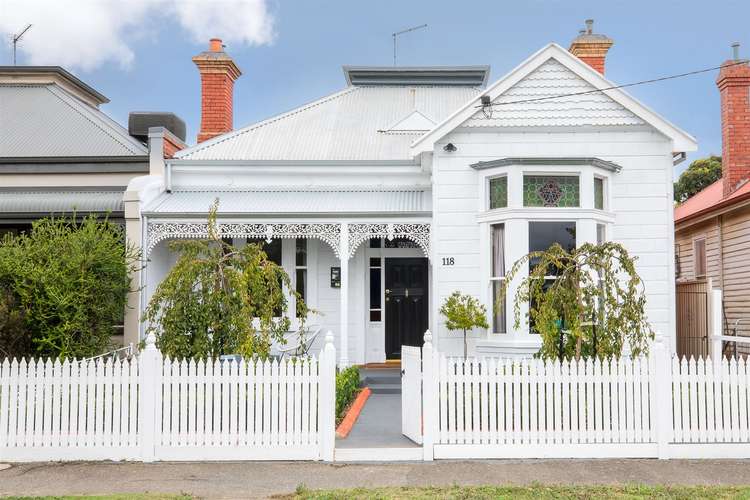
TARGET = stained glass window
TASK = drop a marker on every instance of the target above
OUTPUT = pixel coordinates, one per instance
(598, 193)
(499, 192)
(550, 191)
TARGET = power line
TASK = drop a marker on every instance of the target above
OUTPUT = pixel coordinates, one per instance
(633, 84)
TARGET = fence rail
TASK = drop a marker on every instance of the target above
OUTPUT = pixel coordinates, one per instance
(152, 408)
(655, 406)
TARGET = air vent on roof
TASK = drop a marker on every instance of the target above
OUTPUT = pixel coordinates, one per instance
(470, 76)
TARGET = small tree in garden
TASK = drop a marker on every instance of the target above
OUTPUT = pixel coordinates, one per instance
(463, 312)
(63, 287)
(596, 297)
(218, 299)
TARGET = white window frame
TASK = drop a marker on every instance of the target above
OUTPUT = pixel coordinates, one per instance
(515, 217)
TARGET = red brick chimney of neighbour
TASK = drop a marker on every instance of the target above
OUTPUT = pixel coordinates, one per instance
(590, 47)
(734, 87)
(218, 73)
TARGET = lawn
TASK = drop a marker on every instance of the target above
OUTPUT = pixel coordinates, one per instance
(527, 492)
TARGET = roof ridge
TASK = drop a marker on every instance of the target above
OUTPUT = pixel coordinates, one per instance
(92, 115)
(273, 119)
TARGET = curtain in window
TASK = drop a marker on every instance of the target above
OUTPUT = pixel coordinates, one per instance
(498, 271)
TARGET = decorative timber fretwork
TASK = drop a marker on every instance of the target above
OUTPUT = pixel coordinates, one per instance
(419, 233)
(160, 231)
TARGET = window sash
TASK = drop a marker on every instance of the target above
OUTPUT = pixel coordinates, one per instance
(699, 255)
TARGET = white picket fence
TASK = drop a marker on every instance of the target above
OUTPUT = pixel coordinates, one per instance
(641, 407)
(152, 408)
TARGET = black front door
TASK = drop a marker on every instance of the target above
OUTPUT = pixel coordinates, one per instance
(406, 304)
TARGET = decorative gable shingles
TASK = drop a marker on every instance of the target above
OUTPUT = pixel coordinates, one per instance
(549, 80)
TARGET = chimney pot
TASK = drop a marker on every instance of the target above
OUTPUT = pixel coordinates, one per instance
(215, 45)
(736, 51)
(591, 48)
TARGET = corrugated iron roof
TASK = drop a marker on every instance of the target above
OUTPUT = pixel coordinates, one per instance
(47, 121)
(293, 202)
(60, 201)
(710, 197)
(352, 124)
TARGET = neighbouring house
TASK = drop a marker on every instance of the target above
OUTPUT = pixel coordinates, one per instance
(411, 182)
(712, 228)
(60, 154)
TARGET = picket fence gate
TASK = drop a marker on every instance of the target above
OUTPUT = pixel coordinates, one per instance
(655, 406)
(153, 408)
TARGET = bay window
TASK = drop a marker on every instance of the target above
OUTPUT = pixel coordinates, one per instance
(528, 206)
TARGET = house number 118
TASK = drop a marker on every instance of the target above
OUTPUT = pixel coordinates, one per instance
(449, 261)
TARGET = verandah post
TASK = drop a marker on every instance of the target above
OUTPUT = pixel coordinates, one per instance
(149, 381)
(327, 405)
(662, 395)
(429, 398)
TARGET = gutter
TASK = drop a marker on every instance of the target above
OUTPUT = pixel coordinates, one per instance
(727, 205)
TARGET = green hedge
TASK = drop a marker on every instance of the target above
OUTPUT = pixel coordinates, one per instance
(347, 386)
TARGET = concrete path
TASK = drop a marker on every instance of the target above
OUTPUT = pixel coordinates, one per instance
(232, 480)
(378, 426)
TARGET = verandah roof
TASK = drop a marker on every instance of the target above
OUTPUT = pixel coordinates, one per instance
(279, 202)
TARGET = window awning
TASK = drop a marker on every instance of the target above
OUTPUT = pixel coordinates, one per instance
(316, 202)
(40, 202)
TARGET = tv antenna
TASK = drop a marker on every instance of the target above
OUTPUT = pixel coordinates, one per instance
(16, 39)
(398, 33)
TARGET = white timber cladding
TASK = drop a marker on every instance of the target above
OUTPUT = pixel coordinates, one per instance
(638, 214)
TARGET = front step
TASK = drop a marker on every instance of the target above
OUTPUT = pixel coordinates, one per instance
(381, 381)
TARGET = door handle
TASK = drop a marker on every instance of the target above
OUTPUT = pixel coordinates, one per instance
(387, 291)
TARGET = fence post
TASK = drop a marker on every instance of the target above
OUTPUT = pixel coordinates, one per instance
(149, 374)
(327, 406)
(717, 324)
(429, 399)
(661, 376)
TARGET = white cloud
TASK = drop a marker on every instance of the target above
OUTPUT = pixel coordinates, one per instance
(85, 34)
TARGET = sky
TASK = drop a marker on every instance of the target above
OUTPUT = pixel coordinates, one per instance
(138, 52)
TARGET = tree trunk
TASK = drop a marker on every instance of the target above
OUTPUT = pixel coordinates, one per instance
(464, 344)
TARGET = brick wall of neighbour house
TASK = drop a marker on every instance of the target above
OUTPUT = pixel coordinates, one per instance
(727, 261)
(734, 87)
(216, 103)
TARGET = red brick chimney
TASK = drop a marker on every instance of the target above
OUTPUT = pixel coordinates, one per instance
(590, 47)
(218, 73)
(734, 87)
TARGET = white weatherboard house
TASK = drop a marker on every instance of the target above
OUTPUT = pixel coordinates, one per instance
(383, 198)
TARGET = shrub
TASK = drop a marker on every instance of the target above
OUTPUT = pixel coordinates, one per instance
(594, 305)
(66, 282)
(218, 299)
(463, 313)
(347, 387)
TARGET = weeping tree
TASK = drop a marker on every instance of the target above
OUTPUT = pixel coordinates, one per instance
(218, 299)
(594, 304)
